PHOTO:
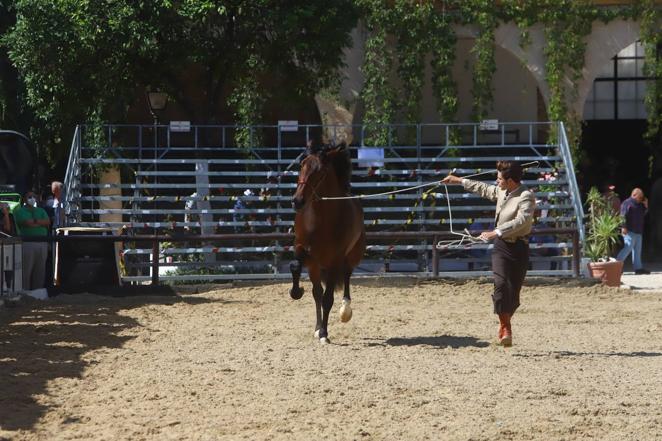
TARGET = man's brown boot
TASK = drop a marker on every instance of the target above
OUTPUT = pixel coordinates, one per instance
(506, 338)
(502, 328)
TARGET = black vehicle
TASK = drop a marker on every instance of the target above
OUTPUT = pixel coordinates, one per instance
(18, 163)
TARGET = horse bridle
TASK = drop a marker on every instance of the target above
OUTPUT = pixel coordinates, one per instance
(315, 195)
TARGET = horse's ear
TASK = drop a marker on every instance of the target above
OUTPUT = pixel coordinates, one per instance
(338, 148)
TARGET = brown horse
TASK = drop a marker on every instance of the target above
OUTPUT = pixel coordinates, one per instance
(329, 234)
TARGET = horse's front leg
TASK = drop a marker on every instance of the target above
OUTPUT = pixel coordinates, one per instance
(327, 304)
(296, 292)
(346, 308)
(316, 279)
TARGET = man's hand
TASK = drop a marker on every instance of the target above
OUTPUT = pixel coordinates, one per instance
(488, 235)
(451, 179)
(645, 202)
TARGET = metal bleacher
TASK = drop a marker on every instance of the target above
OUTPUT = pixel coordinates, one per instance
(198, 181)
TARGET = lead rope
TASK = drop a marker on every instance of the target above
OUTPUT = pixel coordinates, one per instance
(427, 184)
(465, 237)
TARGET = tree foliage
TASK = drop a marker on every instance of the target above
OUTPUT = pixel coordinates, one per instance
(78, 57)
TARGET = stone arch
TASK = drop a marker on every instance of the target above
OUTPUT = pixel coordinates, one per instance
(508, 53)
(507, 36)
(605, 41)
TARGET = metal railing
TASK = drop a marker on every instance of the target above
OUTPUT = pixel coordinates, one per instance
(10, 266)
(161, 172)
(564, 147)
(437, 255)
(72, 180)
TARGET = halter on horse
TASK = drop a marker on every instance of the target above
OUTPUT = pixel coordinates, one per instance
(329, 235)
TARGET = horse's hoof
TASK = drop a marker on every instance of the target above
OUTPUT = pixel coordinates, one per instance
(317, 333)
(325, 341)
(296, 293)
(345, 311)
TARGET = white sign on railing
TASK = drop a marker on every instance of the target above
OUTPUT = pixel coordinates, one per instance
(371, 157)
(288, 126)
(489, 124)
(180, 126)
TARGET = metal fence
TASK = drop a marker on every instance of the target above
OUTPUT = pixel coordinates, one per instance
(11, 276)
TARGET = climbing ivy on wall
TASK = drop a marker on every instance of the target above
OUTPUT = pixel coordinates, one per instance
(651, 36)
(248, 103)
(421, 27)
(442, 40)
(483, 14)
(411, 49)
(566, 29)
(378, 94)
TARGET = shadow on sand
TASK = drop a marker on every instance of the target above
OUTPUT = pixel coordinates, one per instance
(563, 354)
(439, 342)
(42, 341)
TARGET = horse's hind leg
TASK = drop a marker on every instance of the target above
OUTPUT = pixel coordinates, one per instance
(351, 261)
(327, 304)
(296, 292)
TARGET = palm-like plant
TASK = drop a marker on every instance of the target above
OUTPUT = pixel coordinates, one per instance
(603, 228)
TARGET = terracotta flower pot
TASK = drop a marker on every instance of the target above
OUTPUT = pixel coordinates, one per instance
(609, 272)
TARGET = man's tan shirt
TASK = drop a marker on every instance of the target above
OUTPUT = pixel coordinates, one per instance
(514, 211)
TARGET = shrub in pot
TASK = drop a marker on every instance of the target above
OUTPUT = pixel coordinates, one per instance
(602, 234)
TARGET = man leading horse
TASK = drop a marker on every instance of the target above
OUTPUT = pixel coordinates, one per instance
(515, 206)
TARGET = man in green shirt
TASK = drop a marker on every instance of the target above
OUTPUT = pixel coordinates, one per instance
(32, 220)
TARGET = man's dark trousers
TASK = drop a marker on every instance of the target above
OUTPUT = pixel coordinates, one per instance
(510, 262)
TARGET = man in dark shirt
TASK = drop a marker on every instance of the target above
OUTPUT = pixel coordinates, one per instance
(633, 211)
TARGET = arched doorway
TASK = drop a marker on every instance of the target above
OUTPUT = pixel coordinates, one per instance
(614, 123)
(615, 151)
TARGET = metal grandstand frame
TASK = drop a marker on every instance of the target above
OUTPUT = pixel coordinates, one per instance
(201, 182)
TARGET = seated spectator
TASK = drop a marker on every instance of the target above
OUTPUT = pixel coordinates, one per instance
(32, 220)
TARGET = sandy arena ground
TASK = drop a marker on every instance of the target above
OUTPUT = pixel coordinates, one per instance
(416, 362)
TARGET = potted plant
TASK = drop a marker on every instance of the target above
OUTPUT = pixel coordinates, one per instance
(603, 229)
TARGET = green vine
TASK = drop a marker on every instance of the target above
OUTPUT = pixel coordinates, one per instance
(421, 27)
(484, 15)
(442, 40)
(566, 29)
(651, 37)
(411, 50)
(378, 96)
(248, 102)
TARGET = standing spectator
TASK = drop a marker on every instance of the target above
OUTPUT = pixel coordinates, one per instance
(633, 211)
(5, 220)
(58, 220)
(612, 200)
(55, 209)
(191, 204)
(33, 221)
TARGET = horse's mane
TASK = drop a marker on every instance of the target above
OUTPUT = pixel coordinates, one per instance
(342, 164)
(339, 158)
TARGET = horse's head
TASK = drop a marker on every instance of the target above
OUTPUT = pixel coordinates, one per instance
(310, 176)
(316, 167)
